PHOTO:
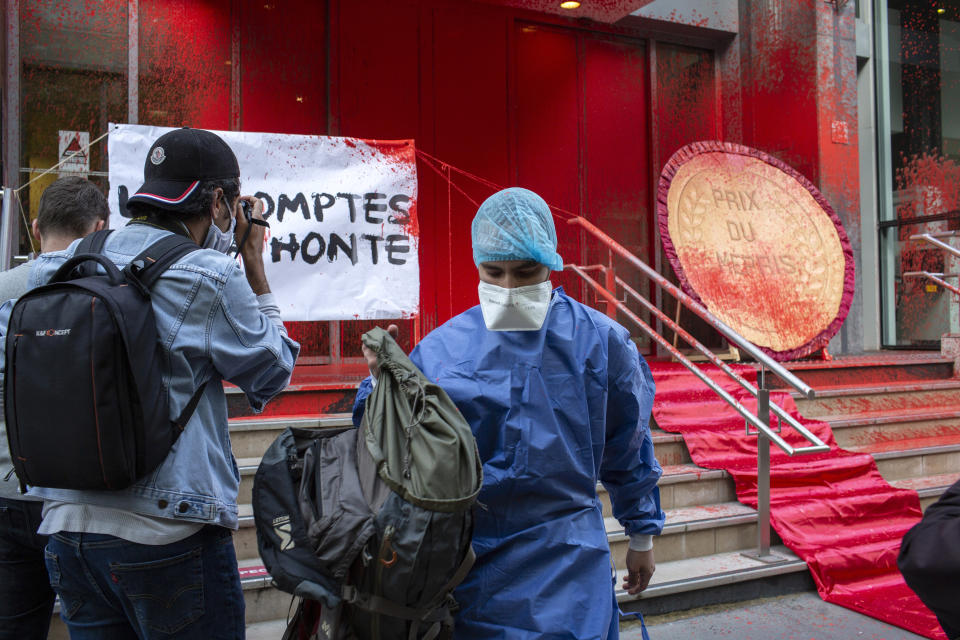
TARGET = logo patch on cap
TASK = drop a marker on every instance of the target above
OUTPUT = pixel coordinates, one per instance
(158, 155)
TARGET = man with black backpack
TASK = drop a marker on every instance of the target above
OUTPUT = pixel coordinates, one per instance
(156, 557)
(70, 208)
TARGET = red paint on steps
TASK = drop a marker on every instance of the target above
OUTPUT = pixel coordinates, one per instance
(881, 371)
(918, 442)
(833, 509)
(254, 572)
(313, 391)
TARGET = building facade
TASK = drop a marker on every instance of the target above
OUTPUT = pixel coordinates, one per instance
(584, 106)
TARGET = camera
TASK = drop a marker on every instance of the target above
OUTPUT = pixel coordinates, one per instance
(247, 209)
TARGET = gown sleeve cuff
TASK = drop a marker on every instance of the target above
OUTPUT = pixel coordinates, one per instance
(641, 542)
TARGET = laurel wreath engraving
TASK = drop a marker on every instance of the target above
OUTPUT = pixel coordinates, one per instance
(692, 212)
(810, 247)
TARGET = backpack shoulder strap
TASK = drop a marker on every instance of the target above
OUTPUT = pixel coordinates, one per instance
(150, 264)
(184, 417)
(93, 243)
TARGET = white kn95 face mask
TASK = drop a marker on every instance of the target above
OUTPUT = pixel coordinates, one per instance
(517, 309)
(220, 240)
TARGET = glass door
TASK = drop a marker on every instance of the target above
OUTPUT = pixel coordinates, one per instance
(918, 88)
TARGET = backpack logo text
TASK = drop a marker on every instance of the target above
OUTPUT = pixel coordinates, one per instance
(53, 332)
(282, 527)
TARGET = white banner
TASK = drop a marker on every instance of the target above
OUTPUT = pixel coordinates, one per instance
(343, 238)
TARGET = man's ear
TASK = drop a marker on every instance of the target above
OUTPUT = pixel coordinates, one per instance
(100, 225)
(35, 228)
(217, 195)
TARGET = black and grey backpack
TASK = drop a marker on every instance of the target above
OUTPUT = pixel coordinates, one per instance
(84, 398)
(372, 526)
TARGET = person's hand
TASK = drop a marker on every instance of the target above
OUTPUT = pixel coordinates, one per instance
(371, 356)
(253, 247)
(640, 568)
(252, 250)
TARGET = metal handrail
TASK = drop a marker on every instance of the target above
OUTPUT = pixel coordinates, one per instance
(8, 227)
(936, 277)
(782, 372)
(818, 446)
(761, 420)
(932, 239)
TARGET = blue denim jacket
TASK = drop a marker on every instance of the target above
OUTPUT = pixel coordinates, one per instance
(212, 330)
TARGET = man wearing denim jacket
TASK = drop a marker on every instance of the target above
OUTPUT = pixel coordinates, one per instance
(157, 558)
(70, 208)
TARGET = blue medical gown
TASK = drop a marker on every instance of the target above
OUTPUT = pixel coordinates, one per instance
(553, 411)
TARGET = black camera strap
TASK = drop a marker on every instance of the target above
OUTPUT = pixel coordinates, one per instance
(246, 234)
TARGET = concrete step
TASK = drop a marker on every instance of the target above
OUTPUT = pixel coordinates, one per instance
(669, 448)
(859, 398)
(885, 432)
(928, 488)
(692, 532)
(718, 528)
(870, 369)
(270, 630)
(245, 538)
(688, 532)
(708, 502)
(684, 582)
(915, 462)
(901, 429)
(700, 548)
(686, 486)
(250, 437)
(706, 529)
(713, 570)
(690, 486)
(263, 600)
(905, 442)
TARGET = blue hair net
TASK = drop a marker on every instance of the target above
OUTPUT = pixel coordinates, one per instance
(515, 224)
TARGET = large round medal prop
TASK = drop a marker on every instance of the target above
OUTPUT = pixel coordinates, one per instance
(757, 244)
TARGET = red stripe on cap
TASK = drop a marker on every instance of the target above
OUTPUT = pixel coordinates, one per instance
(184, 196)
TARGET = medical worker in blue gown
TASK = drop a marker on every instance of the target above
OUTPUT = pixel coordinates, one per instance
(558, 398)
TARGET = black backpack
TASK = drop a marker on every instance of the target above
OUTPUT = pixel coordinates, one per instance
(84, 399)
(372, 526)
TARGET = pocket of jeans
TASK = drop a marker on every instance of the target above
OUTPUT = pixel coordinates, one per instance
(166, 594)
(69, 602)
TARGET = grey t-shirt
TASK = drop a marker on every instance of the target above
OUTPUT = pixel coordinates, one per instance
(13, 284)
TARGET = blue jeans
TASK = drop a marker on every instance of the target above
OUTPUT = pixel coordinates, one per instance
(112, 589)
(26, 600)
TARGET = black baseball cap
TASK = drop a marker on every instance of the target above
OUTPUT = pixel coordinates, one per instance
(178, 162)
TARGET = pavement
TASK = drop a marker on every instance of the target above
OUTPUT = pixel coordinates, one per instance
(800, 616)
